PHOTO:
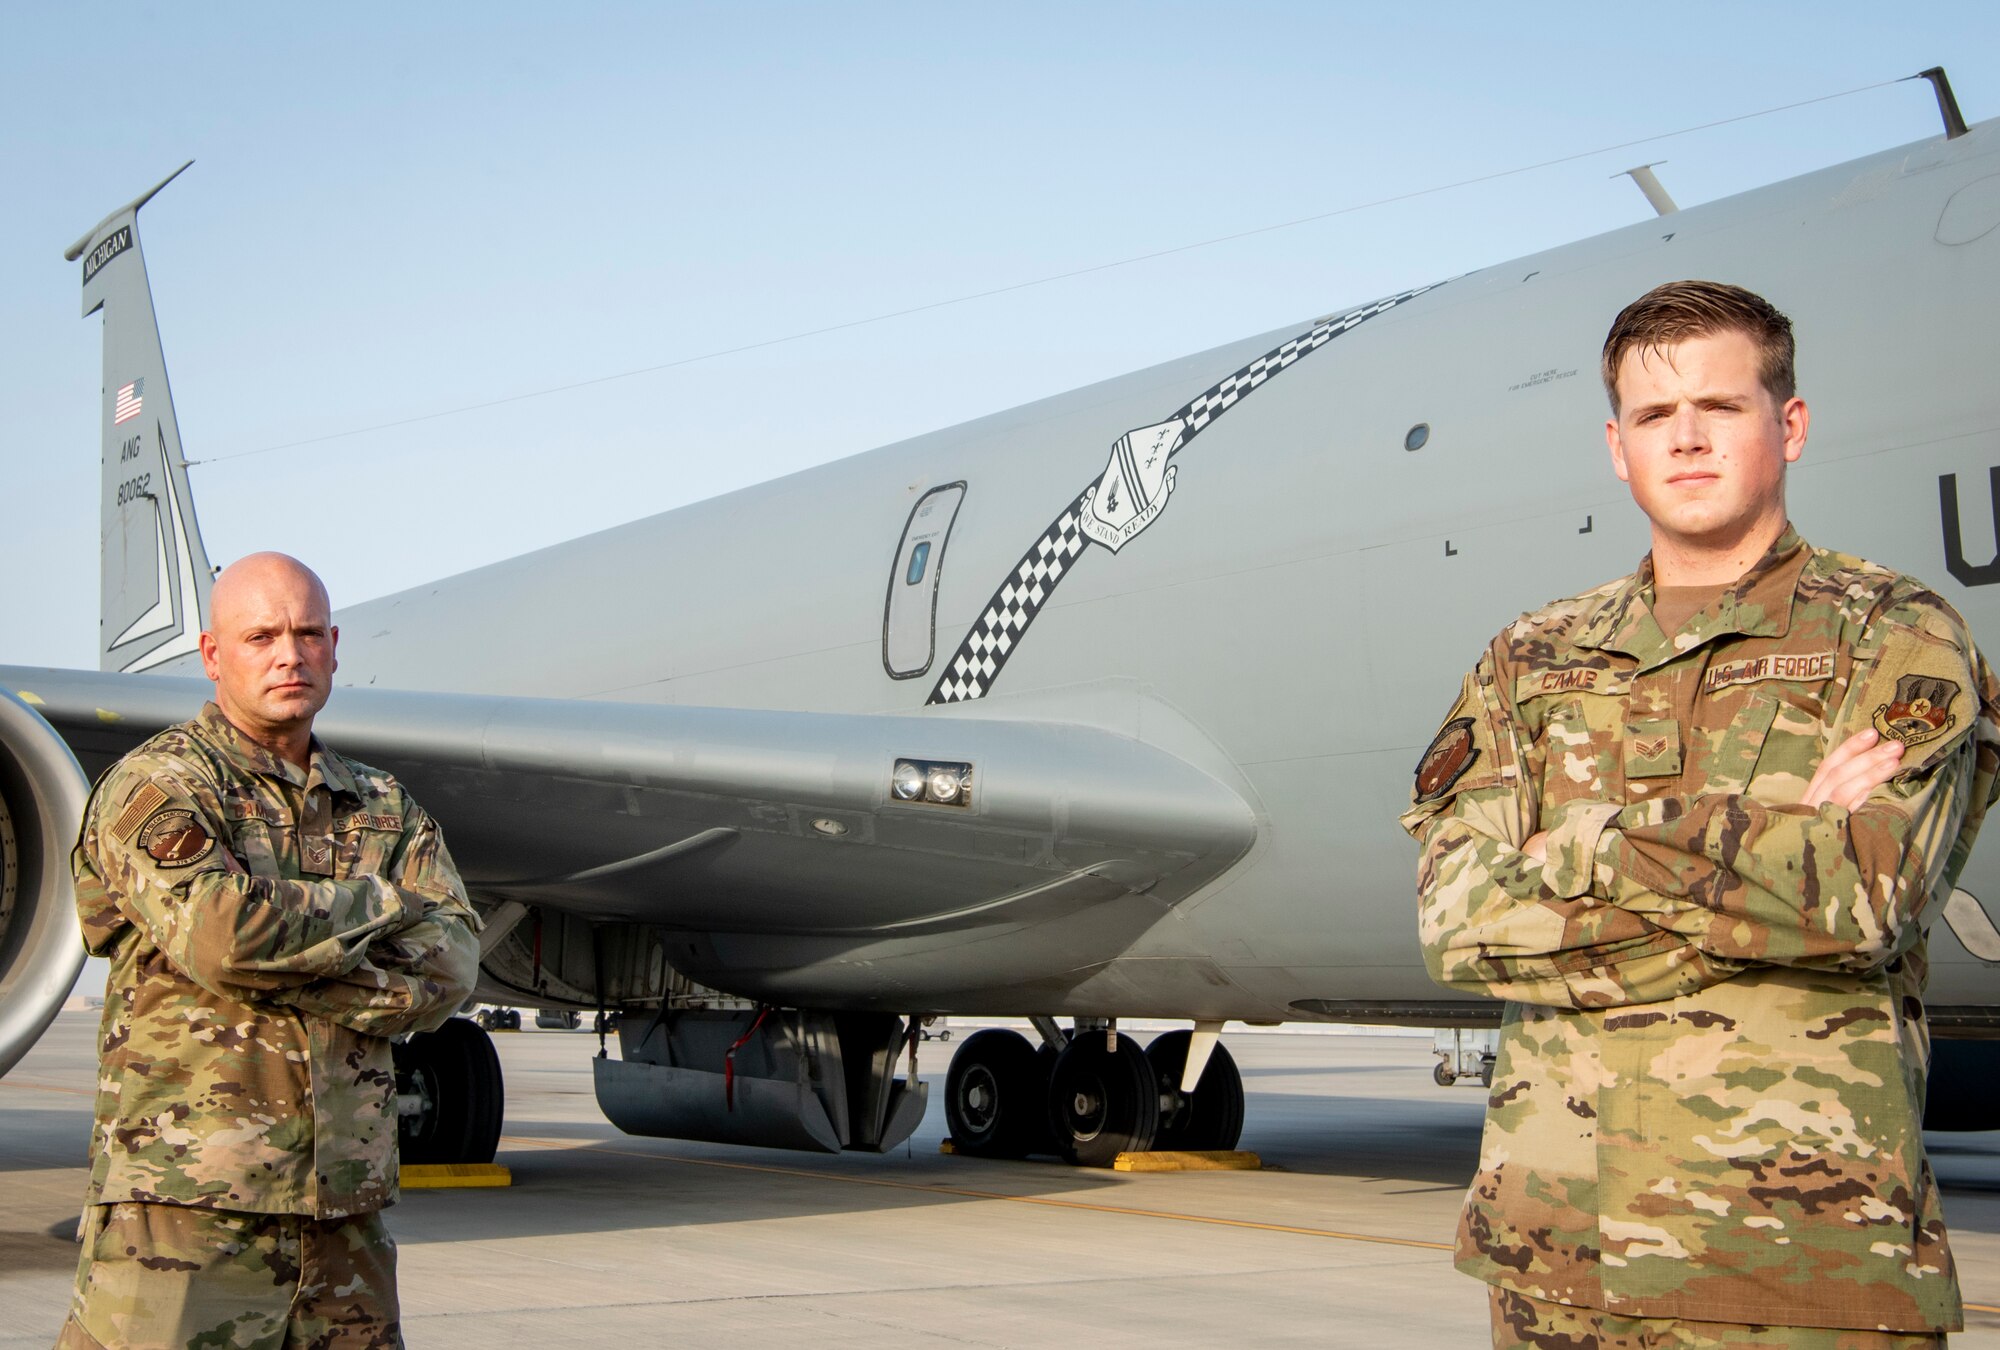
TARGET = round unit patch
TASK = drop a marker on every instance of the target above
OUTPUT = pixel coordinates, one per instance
(1451, 753)
(174, 838)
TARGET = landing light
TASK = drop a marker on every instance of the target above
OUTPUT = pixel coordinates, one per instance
(932, 782)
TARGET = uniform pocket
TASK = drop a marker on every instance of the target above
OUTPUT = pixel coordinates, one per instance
(1793, 744)
(259, 834)
(1728, 751)
(362, 849)
(1578, 740)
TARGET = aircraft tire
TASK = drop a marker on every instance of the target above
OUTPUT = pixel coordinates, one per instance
(995, 1096)
(1210, 1117)
(457, 1071)
(1103, 1102)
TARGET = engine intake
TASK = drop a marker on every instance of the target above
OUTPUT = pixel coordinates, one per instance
(42, 794)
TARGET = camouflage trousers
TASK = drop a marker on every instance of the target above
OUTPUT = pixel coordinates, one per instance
(160, 1276)
(1524, 1323)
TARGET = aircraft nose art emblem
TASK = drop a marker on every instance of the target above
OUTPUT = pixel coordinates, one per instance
(1133, 489)
(1127, 497)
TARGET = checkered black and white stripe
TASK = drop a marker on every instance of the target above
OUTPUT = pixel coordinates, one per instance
(1218, 400)
(1004, 622)
(1012, 608)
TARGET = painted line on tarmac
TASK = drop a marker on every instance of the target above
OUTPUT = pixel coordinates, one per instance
(966, 1193)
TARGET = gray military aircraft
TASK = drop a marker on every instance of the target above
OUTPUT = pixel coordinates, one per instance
(1102, 707)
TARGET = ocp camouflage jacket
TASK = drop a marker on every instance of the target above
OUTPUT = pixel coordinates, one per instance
(1711, 1068)
(268, 928)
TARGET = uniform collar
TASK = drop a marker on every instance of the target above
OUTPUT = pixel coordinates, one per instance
(251, 758)
(1759, 604)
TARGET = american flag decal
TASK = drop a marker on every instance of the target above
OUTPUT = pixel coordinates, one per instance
(1004, 621)
(125, 406)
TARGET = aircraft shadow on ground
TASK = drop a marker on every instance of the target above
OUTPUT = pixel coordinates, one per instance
(41, 1138)
(595, 1180)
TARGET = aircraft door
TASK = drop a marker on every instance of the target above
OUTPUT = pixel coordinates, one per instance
(909, 615)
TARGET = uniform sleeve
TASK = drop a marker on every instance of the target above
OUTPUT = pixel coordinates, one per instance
(153, 851)
(1494, 920)
(1828, 888)
(416, 977)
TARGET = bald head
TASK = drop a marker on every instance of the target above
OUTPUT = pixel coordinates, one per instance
(269, 647)
(245, 582)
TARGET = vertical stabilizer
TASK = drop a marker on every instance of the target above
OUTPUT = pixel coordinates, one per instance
(155, 575)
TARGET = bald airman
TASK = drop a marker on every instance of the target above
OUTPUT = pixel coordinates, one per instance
(273, 913)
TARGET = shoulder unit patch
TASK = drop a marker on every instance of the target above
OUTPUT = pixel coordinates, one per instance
(1450, 754)
(1921, 710)
(174, 838)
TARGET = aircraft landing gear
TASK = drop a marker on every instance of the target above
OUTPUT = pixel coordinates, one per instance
(1091, 1095)
(1103, 1100)
(449, 1095)
(1210, 1117)
(996, 1096)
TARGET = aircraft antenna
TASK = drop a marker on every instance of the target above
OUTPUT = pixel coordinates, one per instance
(1650, 185)
(1954, 120)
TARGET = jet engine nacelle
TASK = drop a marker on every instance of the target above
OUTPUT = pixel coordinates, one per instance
(42, 794)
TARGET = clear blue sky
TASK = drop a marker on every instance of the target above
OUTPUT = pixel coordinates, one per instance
(402, 209)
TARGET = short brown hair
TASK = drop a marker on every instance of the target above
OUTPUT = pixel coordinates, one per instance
(1680, 310)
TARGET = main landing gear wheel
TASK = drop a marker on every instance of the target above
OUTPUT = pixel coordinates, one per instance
(1210, 1117)
(454, 1075)
(996, 1096)
(1103, 1102)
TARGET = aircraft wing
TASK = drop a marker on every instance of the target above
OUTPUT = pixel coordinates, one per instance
(743, 820)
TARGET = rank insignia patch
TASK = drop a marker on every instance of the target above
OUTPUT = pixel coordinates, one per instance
(1921, 710)
(1451, 753)
(175, 839)
(1653, 748)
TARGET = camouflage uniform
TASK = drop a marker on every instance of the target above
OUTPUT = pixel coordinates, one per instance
(268, 928)
(1711, 1068)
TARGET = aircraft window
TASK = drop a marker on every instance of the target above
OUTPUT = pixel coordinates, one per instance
(909, 617)
(1416, 436)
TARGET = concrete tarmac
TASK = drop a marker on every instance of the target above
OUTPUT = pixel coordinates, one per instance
(605, 1239)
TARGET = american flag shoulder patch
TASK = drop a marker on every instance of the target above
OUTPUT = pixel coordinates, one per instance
(148, 799)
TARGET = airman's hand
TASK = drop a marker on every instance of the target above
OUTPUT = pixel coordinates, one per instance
(1537, 846)
(1857, 766)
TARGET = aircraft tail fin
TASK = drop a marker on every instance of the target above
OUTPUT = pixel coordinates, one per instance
(155, 574)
